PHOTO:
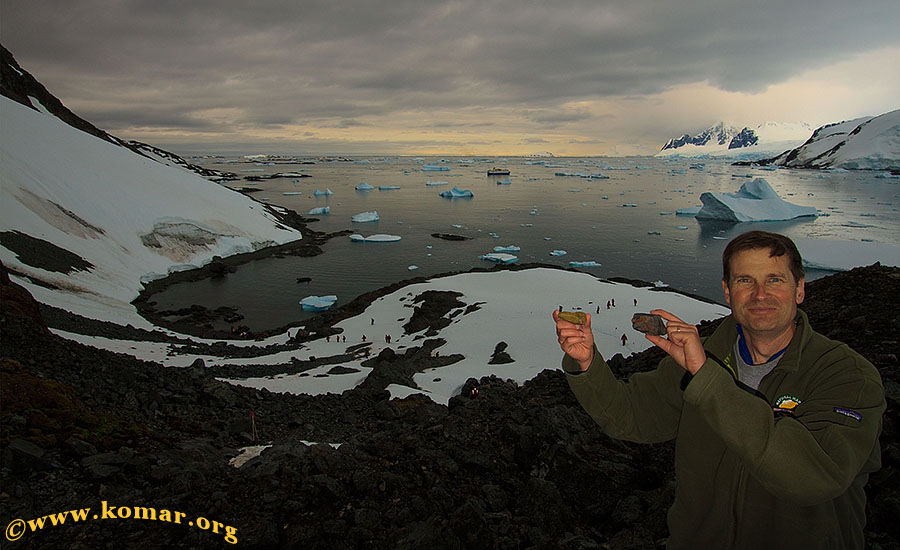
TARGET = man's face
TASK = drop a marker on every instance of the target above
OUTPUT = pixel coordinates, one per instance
(762, 292)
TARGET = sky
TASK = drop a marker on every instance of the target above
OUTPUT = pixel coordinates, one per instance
(454, 77)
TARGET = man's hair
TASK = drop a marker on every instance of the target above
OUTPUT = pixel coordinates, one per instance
(778, 245)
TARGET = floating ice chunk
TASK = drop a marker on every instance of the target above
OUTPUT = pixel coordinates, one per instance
(320, 210)
(457, 193)
(666, 213)
(500, 258)
(659, 284)
(629, 205)
(692, 211)
(388, 187)
(681, 227)
(291, 193)
(510, 248)
(558, 253)
(507, 181)
(654, 233)
(412, 267)
(364, 187)
(365, 217)
(589, 263)
(436, 183)
(376, 238)
(755, 201)
(325, 192)
(435, 168)
(318, 303)
(494, 235)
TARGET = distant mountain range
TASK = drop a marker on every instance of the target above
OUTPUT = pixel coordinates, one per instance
(726, 140)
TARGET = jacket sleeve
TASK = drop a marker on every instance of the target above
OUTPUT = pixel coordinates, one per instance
(645, 409)
(809, 458)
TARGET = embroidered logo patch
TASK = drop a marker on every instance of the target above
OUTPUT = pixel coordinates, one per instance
(849, 413)
(785, 404)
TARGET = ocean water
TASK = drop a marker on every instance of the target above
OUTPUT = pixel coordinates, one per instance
(626, 223)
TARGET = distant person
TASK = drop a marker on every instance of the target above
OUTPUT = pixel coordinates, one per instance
(776, 441)
(624, 338)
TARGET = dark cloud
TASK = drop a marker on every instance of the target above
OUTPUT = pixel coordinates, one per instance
(143, 63)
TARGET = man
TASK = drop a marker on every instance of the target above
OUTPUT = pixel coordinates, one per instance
(776, 426)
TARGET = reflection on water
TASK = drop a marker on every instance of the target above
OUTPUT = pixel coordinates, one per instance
(627, 223)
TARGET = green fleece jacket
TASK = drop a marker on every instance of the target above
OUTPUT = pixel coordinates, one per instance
(782, 467)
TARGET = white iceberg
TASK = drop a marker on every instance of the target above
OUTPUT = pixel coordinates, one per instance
(364, 187)
(388, 187)
(436, 183)
(325, 192)
(318, 303)
(376, 238)
(319, 210)
(412, 267)
(510, 248)
(499, 258)
(845, 255)
(692, 211)
(435, 168)
(756, 201)
(363, 217)
(457, 193)
(590, 263)
(558, 253)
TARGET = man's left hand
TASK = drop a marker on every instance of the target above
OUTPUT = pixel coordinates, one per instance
(682, 342)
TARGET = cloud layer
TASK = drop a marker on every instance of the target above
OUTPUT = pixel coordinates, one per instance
(403, 72)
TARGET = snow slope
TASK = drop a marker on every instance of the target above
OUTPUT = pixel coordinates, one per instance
(132, 218)
(867, 143)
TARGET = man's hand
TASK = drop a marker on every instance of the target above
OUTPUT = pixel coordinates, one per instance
(683, 342)
(576, 340)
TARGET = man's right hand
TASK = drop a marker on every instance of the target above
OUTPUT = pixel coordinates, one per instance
(577, 341)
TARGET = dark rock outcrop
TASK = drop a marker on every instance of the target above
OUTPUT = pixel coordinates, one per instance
(503, 466)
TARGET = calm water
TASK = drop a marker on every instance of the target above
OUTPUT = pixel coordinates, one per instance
(612, 221)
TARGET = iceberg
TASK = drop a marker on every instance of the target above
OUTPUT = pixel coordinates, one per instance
(510, 248)
(319, 210)
(756, 201)
(558, 253)
(318, 303)
(325, 192)
(436, 183)
(376, 238)
(828, 255)
(692, 211)
(364, 187)
(435, 168)
(365, 217)
(499, 258)
(388, 187)
(590, 263)
(507, 181)
(457, 193)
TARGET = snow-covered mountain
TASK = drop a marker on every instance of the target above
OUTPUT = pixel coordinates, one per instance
(728, 140)
(85, 217)
(867, 143)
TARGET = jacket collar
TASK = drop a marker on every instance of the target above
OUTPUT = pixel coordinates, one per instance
(722, 340)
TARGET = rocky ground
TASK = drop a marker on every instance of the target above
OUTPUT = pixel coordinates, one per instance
(504, 466)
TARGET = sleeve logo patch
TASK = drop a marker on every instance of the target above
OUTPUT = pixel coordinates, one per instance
(849, 413)
(787, 402)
